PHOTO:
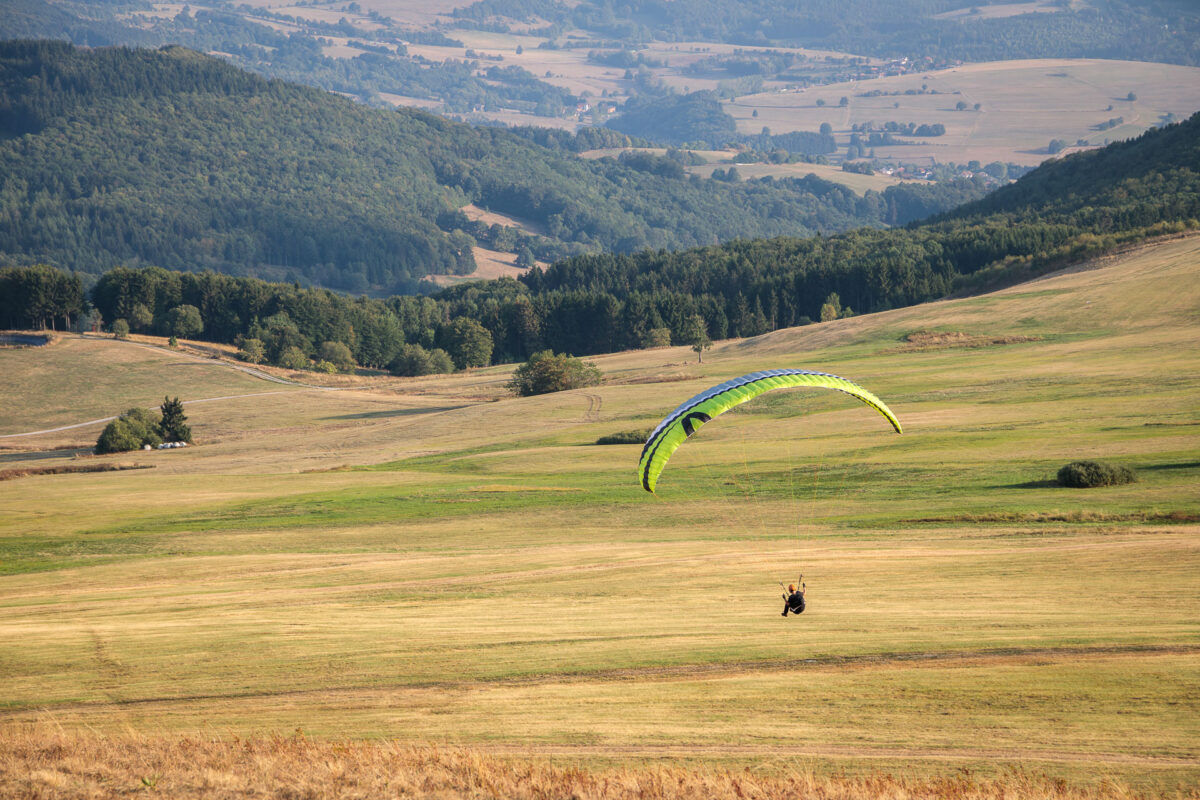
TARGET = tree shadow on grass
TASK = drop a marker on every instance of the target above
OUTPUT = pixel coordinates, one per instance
(1174, 465)
(396, 412)
(1045, 483)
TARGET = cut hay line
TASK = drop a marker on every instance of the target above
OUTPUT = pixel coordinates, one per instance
(922, 341)
(42, 761)
(25, 472)
(502, 489)
(1061, 516)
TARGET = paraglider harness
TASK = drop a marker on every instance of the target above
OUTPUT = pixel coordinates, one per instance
(793, 601)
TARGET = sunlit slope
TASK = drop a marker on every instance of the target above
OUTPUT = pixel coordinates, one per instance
(77, 379)
(489, 576)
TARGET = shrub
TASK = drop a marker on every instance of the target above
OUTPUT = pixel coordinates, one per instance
(625, 437)
(293, 358)
(414, 360)
(252, 351)
(547, 371)
(1086, 474)
(120, 329)
(134, 429)
(657, 337)
(338, 354)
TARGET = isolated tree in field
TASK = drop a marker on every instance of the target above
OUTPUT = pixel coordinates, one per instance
(547, 371)
(826, 129)
(174, 427)
(120, 329)
(338, 354)
(132, 430)
(185, 321)
(695, 336)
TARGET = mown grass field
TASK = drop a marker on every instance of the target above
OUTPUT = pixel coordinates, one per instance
(435, 562)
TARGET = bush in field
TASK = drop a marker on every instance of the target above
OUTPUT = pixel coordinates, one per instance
(625, 437)
(1086, 474)
(132, 430)
(414, 360)
(547, 371)
(120, 329)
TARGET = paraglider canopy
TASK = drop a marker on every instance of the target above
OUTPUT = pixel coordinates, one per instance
(691, 414)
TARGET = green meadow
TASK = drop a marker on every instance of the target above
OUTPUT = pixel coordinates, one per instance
(436, 561)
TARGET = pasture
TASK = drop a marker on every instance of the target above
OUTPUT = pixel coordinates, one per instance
(436, 562)
(1023, 105)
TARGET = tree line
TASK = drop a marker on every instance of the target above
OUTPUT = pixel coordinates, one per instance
(1064, 211)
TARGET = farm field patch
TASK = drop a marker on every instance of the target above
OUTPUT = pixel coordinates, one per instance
(1023, 105)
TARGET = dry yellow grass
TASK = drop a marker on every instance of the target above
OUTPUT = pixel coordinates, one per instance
(41, 762)
(435, 561)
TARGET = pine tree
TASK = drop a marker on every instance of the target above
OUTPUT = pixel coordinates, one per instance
(174, 425)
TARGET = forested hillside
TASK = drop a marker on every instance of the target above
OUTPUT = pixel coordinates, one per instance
(176, 159)
(1061, 213)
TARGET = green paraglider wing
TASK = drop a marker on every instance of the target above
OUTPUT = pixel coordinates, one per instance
(685, 420)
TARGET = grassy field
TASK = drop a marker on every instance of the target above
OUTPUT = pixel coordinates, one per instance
(435, 562)
(1023, 105)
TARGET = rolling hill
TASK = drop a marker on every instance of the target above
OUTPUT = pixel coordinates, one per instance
(117, 156)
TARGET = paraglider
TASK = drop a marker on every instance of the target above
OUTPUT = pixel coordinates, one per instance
(691, 414)
(793, 599)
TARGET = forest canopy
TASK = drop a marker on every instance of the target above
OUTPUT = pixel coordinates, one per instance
(1063, 212)
(172, 158)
